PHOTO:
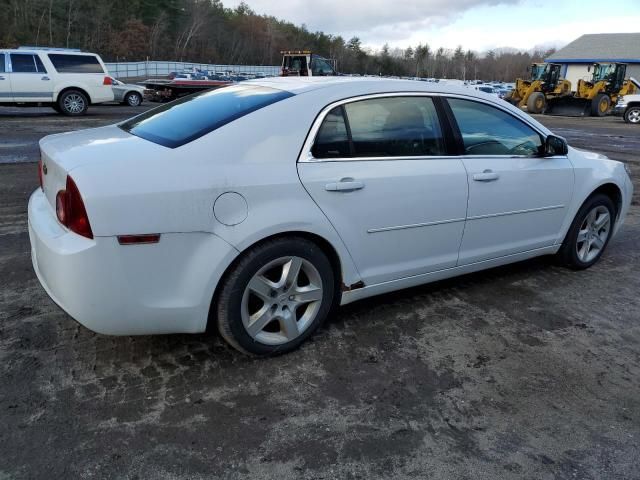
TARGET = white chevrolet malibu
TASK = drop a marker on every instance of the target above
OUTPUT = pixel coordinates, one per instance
(259, 207)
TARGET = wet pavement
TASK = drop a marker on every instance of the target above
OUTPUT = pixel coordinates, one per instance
(530, 371)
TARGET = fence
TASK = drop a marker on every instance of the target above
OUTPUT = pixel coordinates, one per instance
(162, 69)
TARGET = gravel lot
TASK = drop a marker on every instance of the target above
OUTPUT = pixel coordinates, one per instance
(530, 371)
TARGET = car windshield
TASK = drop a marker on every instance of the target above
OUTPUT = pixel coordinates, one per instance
(189, 118)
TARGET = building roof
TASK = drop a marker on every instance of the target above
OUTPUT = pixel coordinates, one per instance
(600, 47)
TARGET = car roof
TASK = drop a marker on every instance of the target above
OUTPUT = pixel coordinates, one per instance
(364, 85)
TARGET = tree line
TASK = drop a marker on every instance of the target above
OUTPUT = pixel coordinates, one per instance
(205, 31)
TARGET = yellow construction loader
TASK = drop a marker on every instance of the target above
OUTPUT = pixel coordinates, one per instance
(545, 84)
(596, 96)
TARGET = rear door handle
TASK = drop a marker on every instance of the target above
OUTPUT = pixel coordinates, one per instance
(344, 185)
(2, 78)
(45, 78)
(486, 176)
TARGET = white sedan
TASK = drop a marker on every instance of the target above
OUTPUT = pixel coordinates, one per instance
(259, 207)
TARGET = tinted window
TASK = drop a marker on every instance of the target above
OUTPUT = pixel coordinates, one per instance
(490, 131)
(75, 63)
(26, 63)
(332, 139)
(191, 117)
(2, 67)
(396, 126)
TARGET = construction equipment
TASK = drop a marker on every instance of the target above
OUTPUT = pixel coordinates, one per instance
(596, 96)
(303, 63)
(545, 84)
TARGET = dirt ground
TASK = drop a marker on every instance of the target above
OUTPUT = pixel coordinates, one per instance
(530, 371)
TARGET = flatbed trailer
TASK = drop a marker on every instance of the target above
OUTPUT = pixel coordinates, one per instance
(167, 90)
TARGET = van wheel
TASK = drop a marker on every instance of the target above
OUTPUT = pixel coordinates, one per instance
(589, 233)
(275, 296)
(73, 103)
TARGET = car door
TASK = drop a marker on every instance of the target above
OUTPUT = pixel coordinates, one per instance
(379, 169)
(5, 80)
(30, 81)
(518, 199)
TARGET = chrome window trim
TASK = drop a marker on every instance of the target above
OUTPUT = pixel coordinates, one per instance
(307, 157)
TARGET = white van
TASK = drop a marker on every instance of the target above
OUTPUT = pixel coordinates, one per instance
(67, 80)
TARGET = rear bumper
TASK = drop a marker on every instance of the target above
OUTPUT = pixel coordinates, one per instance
(127, 290)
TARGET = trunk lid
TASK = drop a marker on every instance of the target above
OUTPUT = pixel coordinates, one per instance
(62, 153)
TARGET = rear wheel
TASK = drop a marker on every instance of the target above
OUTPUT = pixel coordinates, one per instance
(73, 103)
(632, 115)
(275, 297)
(600, 105)
(589, 233)
(536, 103)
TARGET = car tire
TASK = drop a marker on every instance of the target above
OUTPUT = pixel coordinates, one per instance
(536, 103)
(275, 296)
(600, 105)
(589, 233)
(73, 103)
(133, 99)
(632, 115)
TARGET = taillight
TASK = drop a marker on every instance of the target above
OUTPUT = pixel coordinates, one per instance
(70, 210)
(40, 173)
(107, 81)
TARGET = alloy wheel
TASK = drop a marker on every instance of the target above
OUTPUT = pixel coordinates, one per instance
(74, 103)
(281, 300)
(593, 234)
(133, 100)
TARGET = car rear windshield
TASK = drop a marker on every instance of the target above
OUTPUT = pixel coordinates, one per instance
(75, 63)
(189, 118)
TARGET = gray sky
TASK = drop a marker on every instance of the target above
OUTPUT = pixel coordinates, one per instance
(474, 24)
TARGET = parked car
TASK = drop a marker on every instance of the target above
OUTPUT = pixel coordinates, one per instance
(127, 93)
(628, 106)
(259, 207)
(67, 80)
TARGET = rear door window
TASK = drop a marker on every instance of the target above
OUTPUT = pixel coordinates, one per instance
(2, 67)
(332, 140)
(26, 63)
(189, 118)
(65, 63)
(395, 127)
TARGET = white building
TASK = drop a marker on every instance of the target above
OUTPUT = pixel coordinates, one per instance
(582, 53)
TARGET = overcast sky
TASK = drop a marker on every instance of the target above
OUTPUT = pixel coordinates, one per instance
(474, 24)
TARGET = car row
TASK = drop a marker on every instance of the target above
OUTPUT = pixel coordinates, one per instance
(260, 207)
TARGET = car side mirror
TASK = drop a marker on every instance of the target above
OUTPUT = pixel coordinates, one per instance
(554, 145)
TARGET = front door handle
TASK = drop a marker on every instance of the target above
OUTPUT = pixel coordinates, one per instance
(2, 78)
(486, 176)
(344, 185)
(45, 78)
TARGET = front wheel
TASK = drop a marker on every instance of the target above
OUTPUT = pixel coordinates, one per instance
(73, 103)
(632, 115)
(536, 103)
(275, 297)
(589, 233)
(600, 105)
